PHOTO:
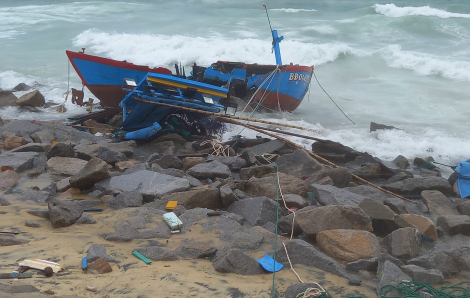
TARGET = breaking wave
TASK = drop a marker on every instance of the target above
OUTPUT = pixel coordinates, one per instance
(391, 10)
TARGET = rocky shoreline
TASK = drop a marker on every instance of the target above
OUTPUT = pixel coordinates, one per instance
(54, 177)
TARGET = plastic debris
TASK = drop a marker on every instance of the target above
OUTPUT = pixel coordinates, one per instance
(269, 264)
(142, 257)
(84, 263)
(173, 221)
(91, 289)
(15, 275)
(171, 205)
(41, 264)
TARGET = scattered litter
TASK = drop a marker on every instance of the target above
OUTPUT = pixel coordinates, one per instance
(91, 289)
(84, 263)
(13, 190)
(166, 266)
(48, 271)
(11, 233)
(15, 275)
(269, 264)
(6, 168)
(214, 213)
(209, 160)
(209, 180)
(173, 221)
(171, 205)
(41, 264)
(142, 257)
(92, 210)
(354, 282)
(426, 239)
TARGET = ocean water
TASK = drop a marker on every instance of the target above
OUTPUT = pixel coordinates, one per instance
(402, 63)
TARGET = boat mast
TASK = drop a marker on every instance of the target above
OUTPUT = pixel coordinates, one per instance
(276, 40)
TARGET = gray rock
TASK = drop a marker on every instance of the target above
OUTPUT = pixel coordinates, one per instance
(249, 157)
(257, 171)
(334, 151)
(403, 243)
(61, 150)
(110, 156)
(398, 177)
(285, 222)
(32, 147)
(90, 151)
(195, 250)
(365, 167)
(64, 213)
(383, 218)
(256, 211)
(234, 163)
(4, 202)
(202, 198)
(97, 251)
(44, 213)
(150, 184)
(7, 98)
(298, 163)
(268, 185)
(165, 147)
(454, 224)
(33, 99)
(96, 194)
(156, 253)
(43, 136)
(86, 204)
(32, 224)
(22, 87)
(8, 240)
(86, 219)
(273, 146)
(246, 241)
(438, 204)
(414, 186)
(40, 163)
(169, 161)
(376, 126)
(235, 261)
(94, 171)
(369, 265)
(429, 276)
(333, 217)
(213, 169)
(386, 257)
(127, 199)
(464, 207)
(295, 201)
(65, 166)
(391, 275)
(227, 197)
(401, 162)
(340, 176)
(301, 252)
(331, 195)
(136, 168)
(19, 161)
(35, 196)
(442, 261)
(193, 182)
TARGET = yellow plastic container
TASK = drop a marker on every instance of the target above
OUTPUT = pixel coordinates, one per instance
(171, 205)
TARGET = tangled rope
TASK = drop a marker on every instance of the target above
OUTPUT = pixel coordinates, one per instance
(219, 149)
(414, 288)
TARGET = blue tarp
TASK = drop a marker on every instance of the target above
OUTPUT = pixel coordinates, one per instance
(463, 180)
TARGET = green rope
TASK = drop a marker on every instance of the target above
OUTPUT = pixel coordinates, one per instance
(412, 289)
(277, 224)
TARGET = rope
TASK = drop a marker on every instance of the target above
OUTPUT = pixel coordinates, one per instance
(61, 107)
(331, 98)
(412, 289)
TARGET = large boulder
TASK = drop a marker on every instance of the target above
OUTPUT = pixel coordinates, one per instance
(151, 185)
(64, 213)
(464, 207)
(90, 151)
(127, 199)
(403, 243)
(273, 146)
(454, 224)
(19, 161)
(298, 163)
(97, 251)
(32, 99)
(331, 195)
(227, 197)
(156, 253)
(365, 167)
(193, 182)
(391, 274)
(189, 162)
(202, 198)
(423, 224)
(268, 185)
(293, 291)
(334, 151)
(234, 163)
(235, 261)
(13, 142)
(7, 99)
(449, 262)
(195, 250)
(7, 240)
(333, 217)
(384, 220)
(301, 252)
(66, 166)
(414, 186)
(429, 276)
(213, 169)
(169, 161)
(8, 179)
(32, 147)
(349, 245)
(43, 136)
(257, 171)
(340, 176)
(61, 150)
(95, 170)
(256, 211)
(110, 156)
(438, 204)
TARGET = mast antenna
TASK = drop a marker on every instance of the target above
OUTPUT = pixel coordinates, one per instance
(264, 5)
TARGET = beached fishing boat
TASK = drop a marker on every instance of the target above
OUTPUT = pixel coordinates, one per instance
(273, 87)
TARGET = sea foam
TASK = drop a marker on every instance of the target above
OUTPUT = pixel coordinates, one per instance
(159, 49)
(391, 10)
